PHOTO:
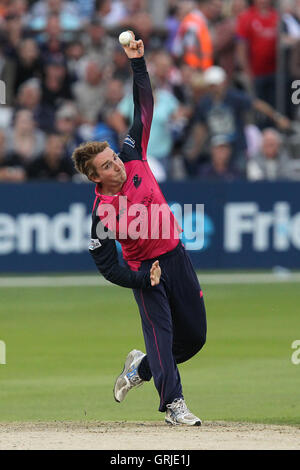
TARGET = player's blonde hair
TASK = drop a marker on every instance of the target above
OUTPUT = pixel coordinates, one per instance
(84, 155)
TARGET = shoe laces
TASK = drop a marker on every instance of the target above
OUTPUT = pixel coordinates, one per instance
(133, 376)
(179, 406)
(135, 379)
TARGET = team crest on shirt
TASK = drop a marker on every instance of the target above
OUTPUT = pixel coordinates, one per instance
(129, 141)
(137, 180)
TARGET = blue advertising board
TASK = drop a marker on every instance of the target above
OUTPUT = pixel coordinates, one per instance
(45, 227)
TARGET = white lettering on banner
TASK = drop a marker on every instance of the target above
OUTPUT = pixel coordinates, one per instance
(194, 227)
(296, 354)
(295, 231)
(66, 232)
(134, 222)
(281, 228)
(30, 225)
(2, 352)
(277, 229)
(296, 94)
(7, 234)
(238, 221)
(2, 92)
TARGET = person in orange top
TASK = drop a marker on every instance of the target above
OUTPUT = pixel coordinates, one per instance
(3, 8)
(193, 42)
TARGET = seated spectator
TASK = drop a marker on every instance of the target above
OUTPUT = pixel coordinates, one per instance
(90, 93)
(68, 13)
(185, 88)
(29, 94)
(74, 53)
(165, 110)
(52, 42)
(142, 23)
(52, 164)
(7, 73)
(28, 63)
(98, 45)
(109, 116)
(222, 110)
(66, 121)
(121, 69)
(271, 162)
(10, 172)
(19, 8)
(169, 77)
(219, 167)
(110, 123)
(29, 97)
(13, 34)
(56, 84)
(117, 13)
(85, 8)
(24, 141)
(166, 74)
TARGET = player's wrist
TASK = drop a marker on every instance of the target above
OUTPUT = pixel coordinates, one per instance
(137, 59)
(138, 64)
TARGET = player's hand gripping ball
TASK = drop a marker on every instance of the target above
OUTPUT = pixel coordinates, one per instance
(125, 38)
(133, 49)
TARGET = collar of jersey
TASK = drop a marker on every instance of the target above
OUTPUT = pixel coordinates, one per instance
(105, 197)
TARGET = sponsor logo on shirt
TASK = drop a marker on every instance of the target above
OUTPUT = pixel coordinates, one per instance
(130, 141)
(94, 244)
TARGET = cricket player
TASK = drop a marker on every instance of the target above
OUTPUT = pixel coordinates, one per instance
(158, 268)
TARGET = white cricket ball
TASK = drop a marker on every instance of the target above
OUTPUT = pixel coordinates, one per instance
(125, 38)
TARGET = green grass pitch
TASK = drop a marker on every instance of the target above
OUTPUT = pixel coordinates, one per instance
(66, 345)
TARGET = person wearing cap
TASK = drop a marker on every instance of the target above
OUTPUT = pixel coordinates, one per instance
(220, 168)
(222, 111)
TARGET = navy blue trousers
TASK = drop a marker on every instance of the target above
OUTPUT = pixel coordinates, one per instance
(173, 322)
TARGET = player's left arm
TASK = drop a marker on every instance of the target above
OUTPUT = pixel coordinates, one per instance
(136, 143)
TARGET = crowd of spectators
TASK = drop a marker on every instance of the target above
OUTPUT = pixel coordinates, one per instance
(220, 111)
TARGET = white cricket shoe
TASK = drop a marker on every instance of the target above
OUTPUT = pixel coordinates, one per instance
(129, 378)
(178, 413)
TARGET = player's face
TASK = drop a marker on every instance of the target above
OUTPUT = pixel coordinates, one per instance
(110, 168)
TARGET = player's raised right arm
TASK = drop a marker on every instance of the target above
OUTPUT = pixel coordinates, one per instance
(142, 98)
